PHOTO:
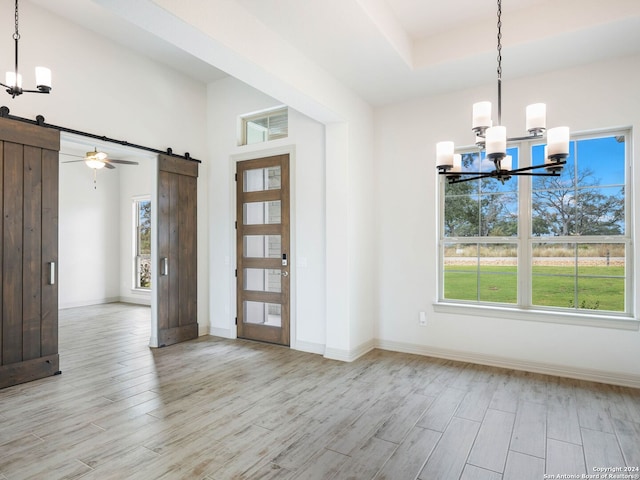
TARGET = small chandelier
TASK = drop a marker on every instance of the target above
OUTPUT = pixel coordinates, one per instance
(13, 82)
(493, 139)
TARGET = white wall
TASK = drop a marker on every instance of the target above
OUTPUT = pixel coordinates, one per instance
(135, 181)
(227, 99)
(590, 97)
(226, 35)
(95, 232)
(106, 89)
(89, 235)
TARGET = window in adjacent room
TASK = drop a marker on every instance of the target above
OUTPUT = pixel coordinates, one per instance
(142, 242)
(561, 243)
(264, 126)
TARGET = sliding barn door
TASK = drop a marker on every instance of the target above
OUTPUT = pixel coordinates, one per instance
(177, 250)
(28, 252)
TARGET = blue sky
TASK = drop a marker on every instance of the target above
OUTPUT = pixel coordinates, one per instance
(603, 156)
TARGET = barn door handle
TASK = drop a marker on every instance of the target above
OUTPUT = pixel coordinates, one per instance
(52, 273)
(164, 266)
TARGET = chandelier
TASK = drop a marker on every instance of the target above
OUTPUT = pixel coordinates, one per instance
(493, 139)
(13, 80)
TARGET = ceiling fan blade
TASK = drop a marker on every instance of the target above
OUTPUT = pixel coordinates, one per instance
(72, 155)
(106, 164)
(73, 161)
(124, 162)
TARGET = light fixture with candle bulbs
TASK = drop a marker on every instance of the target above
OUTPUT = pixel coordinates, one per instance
(13, 80)
(493, 139)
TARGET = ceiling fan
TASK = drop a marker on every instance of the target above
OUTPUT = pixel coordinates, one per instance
(98, 160)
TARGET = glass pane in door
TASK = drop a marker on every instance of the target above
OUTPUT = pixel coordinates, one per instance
(262, 313)
(262, 246)
(263, 280)
(261, 213)
(262, 179)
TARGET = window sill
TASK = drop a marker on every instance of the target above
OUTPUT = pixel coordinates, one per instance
(141, 291)
(546, 316)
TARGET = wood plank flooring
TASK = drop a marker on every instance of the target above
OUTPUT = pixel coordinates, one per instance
(216, 409)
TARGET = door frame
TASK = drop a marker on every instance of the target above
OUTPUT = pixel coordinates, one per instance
(260, 152)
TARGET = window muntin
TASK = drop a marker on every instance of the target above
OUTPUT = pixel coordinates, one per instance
(481, 208)
(482, 272)
(588, 197)
(585, 276)
(142, 243)
(569, 254)
(264, 126)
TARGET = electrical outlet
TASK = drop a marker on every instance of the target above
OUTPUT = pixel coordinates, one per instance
(422, 319)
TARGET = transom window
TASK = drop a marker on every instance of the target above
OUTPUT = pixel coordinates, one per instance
(559, 243)
(264, 126)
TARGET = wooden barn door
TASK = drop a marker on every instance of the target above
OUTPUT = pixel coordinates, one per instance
(28, 252)
(177, 250)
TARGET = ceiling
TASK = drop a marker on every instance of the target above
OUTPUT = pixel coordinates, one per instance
(394, 50)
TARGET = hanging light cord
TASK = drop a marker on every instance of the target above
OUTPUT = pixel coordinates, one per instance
(16, 37)
(499, 62)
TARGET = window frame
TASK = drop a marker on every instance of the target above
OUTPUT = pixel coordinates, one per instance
(524, 309)
(267, 114)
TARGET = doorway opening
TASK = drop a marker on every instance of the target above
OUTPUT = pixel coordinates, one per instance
(106, 225)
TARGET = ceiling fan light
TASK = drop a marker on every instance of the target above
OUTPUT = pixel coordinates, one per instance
(94, 163)
(95, 155)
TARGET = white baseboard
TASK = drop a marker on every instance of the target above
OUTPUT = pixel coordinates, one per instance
(309, 347)
(87, 303)
(222, 332)
(623, 379)
(136, 300)
(349, 355)
(203, 330)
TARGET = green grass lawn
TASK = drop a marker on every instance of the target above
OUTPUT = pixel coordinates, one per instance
(552, 286)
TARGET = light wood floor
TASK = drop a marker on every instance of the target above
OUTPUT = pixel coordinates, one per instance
(221, 409)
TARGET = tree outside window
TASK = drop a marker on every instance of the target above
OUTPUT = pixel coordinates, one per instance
(563, 240)
(142, 210)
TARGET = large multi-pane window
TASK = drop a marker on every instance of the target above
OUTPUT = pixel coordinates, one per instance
(142, 242)
(558, 242)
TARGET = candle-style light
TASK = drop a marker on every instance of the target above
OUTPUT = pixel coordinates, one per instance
(13, 79)
(444, 154)
(496, 142)
(506, 163)
(481, 116)
(494, 138)
(558, 142)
